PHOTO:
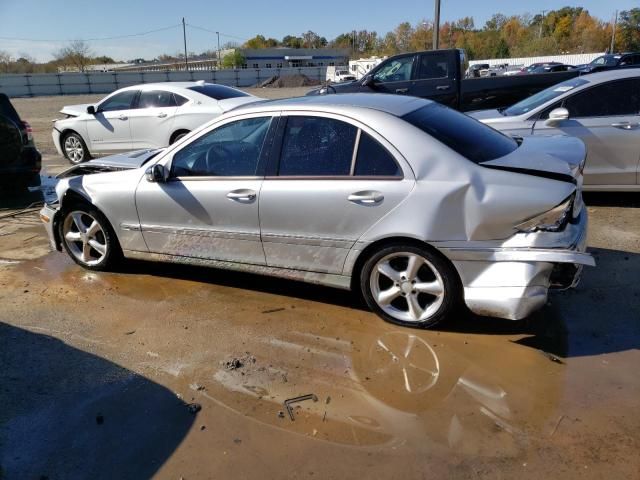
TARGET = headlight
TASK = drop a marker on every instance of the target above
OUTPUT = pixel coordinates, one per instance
(553, 220)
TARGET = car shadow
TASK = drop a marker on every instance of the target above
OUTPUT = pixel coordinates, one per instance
(70, 414)
(612, 199)
(601, 315)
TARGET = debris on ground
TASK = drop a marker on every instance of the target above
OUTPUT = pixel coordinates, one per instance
(280, 414)
(197, 387)
(302, 398)
(238, 362)
(289, 81)
(99, 419)
(274, 310)
(194, 408)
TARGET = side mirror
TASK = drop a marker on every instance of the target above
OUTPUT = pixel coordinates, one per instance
(91, 110)
(155, 174)
(556, 116)
(368, 81)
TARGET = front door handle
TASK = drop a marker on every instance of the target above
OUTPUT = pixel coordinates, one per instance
(625, 125)
(402, 90)
(162, 115)
(443, 87)
(368, 197)
(123, 117)
(242, 195)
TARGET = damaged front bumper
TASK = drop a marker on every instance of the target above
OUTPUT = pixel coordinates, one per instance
(512, 280)
(48, 215)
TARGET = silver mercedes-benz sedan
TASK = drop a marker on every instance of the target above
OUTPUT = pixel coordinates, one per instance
(601, 109)
(421, 208)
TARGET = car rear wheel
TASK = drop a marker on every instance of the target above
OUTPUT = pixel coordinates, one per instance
(74, 148)
(410, 286)
(88, 238)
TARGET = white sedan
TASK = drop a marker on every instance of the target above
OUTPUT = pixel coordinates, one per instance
(142, 116)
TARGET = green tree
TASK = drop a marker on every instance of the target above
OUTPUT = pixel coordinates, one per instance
(628, 31)
(233, 59)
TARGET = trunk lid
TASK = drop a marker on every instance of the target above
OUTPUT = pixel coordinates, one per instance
(556, 157)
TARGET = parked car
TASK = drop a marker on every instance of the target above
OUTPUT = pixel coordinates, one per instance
(557, 67)
(438, 75)
(534, 66)
(20, 161)
(417, 206)
(339, 74)
(611, 61)
(142, 116)
(602, 109)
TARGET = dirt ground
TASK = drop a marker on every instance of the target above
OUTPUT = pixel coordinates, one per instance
(163, 371)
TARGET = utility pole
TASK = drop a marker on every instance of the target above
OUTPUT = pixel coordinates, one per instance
(613, 34)
(541, 22)
(184, 36)
(436, 26)
(426, 44)
(218, 34)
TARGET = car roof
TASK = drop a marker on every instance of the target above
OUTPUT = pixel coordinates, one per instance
(170, 85)
(607, 75)
(397, 105)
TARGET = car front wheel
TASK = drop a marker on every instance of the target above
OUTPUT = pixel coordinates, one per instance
(75, 149)
(88, 238)
(410, 286)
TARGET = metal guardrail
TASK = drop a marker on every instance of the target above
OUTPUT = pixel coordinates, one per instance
(33, 85)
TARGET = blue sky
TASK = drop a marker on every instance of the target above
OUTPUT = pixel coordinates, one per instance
(58, 22)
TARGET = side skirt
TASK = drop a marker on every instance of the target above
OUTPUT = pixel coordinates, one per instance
(342, 282)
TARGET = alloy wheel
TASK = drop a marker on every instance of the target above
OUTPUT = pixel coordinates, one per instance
(85, 237)
(407, 287)
(74, 149)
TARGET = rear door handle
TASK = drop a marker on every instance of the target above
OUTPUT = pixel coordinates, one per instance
(625, 125)
(443, 87)
(162, 115)
(242, 195)
(123, 117)
(368, 197)
(402, 90)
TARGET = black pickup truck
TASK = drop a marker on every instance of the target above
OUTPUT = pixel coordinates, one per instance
(438, 75)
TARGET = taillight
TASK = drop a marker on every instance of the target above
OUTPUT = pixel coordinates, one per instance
(552, 220)
(29, 130)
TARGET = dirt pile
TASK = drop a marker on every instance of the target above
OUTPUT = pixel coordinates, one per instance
(289, 81)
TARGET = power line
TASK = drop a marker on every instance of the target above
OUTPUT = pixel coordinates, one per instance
(97, 39)
(214, 33)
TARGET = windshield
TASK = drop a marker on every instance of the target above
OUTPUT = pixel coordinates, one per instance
(540, 98)
(467, 136)
(608, 60)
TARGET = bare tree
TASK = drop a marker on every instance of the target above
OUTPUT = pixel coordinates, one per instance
(5, 60)
(77, 54)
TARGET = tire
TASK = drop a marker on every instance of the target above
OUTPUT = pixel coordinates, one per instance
(179, 136)
(95, 246)
(422, 288)
(74, 148)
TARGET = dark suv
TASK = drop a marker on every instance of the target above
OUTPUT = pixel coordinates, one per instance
(611, 61)
(20, 161)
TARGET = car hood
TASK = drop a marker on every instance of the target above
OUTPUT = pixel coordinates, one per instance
(558, 157)
(112, 163)
(75, 110)
(485, 114)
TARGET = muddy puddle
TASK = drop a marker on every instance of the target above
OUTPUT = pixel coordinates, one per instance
(481, 395)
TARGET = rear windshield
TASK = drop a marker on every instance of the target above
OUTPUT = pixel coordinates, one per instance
(7, 110)
(465, 135)
(218, 92)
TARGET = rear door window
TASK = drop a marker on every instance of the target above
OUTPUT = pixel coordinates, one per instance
(156, 99)
(621, 97)
(432, 66)
(374, 160)
(317, 146)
